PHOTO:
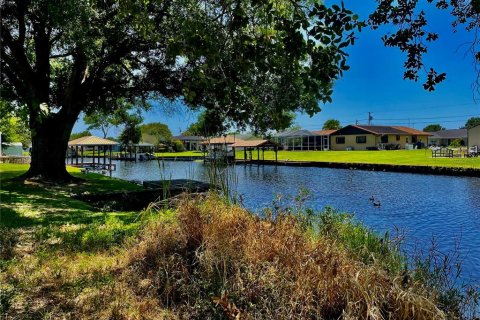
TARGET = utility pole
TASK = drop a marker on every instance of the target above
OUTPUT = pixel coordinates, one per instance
(370, 118)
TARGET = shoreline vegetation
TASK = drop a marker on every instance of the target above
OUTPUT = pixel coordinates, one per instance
(206, 257)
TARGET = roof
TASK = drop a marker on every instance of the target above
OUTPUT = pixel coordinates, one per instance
(92, 141)
(189, 138)
(222, 140)
(413, 131)
(380, 130)
(324, 132)
(295, 133)
(253, 143)
(450, 134)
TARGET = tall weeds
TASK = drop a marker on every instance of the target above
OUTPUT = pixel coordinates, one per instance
(214, 259)
(223, 179)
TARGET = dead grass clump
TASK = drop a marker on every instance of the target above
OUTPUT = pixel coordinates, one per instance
(215, 259)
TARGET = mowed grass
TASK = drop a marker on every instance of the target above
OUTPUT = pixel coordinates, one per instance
(52, 245)
(392, 157)
(180, 154)
(28, 204)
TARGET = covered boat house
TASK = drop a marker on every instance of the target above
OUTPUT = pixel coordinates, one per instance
(249, 147)
(98, 149)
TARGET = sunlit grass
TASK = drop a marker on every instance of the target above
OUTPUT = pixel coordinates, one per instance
(392, 157)
(63, 245)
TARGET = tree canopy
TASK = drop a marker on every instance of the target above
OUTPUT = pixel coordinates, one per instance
(155, 133)
(472, 122)
(81, 134)
(131, 133)
(247, 62)
(433, 128)
(13, 129)
(331, 124)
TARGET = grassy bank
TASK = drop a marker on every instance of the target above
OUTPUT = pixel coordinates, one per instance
(392, 157)
(206, 258)
(180, 154)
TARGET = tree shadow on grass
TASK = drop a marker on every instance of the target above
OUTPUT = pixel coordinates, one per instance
(12, 219)
(27, 204)
(19, 209)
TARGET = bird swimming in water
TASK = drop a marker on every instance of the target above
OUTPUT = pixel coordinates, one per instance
(377, 203)
(372, 198)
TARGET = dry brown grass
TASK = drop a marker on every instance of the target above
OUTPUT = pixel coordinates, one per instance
(215, 260)
(210, 259)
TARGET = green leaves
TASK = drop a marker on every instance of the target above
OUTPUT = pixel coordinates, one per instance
(248, 63)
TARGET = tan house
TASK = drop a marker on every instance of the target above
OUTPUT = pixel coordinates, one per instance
(360, 137)
(474, 136)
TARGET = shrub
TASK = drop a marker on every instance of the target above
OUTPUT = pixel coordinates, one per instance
(178, 146)
(456, 143)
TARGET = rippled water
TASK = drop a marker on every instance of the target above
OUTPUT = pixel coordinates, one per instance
(423, 206)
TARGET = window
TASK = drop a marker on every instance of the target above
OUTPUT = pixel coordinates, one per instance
(398, 137)
(384, 139)
(361, 139)
(340, 140)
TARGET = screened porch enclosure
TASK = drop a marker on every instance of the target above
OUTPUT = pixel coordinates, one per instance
(300, 140)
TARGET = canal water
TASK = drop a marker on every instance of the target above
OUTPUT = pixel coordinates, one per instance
(423, 207)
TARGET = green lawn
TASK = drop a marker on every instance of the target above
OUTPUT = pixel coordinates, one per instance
(52, 246)
(27, 204)
(180, 154)
(394, 157)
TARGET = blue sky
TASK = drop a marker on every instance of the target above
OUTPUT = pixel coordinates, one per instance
(375, 84)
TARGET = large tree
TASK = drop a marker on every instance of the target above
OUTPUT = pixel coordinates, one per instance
(331, 124)
(472, 122)
(433, 128)
(208, 124)
(155, 133)
(249, 62)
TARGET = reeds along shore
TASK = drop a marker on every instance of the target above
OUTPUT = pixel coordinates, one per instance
(212, 259)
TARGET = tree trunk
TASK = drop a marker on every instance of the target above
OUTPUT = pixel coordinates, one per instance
(49, 146)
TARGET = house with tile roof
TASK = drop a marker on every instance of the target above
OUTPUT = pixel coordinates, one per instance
(363, 137)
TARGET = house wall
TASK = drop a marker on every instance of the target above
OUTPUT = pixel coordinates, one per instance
(405, 139)
(474, 136)
(351, 142)
(373, 141)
